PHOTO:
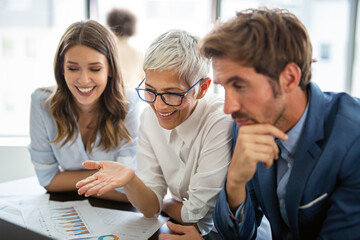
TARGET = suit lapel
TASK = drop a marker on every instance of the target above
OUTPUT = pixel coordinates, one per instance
(306, 156)
(267, 189)
(303, 166)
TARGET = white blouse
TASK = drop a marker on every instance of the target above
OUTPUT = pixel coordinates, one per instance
(191, 160)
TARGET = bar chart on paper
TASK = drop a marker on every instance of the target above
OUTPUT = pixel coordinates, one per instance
(70, 220)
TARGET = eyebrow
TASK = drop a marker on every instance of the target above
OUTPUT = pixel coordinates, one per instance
(231, 79)
(166, 89)
(93, 63)
(235, 78)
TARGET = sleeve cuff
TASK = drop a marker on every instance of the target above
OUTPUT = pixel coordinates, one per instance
(242, 210)
(239, 214)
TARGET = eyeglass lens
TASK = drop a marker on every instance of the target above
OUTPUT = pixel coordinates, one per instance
(171, 99)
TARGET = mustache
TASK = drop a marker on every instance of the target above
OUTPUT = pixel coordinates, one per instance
(239, 115)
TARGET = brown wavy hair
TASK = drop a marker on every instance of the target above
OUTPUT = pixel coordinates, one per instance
(112, 103)
(266, 39)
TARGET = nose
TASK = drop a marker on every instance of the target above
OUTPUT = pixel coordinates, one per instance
(84, 78)
(231, 103)
(159, 103)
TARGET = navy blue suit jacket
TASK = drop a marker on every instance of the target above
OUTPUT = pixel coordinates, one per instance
(323, 193)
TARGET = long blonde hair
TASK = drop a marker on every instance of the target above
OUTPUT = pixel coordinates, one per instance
(112, 103)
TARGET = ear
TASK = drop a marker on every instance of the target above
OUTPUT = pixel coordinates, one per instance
(204, 86)
(289, 78)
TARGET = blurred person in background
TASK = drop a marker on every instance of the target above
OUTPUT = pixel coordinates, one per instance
(123, 24)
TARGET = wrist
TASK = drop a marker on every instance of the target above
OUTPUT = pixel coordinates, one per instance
(236, 194)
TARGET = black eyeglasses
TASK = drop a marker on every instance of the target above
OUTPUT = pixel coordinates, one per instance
(171, 99)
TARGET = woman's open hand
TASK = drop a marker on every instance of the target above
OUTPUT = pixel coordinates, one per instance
(111, 175)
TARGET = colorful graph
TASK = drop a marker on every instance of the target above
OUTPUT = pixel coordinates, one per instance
(108, 237)
(69, 222)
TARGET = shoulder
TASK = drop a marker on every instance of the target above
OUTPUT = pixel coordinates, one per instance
(40, 109)
(149, 121)
(210, 119)
(147, 115)
(211, 109)
(333, 118)
(40, 95)
(345, 107)
(213, 101)
(335, 104)
(132, 97)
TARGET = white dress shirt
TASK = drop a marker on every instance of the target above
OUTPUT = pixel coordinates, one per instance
(49, 158)
(191, 160)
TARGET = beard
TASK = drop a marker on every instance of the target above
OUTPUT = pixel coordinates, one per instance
(274, 115)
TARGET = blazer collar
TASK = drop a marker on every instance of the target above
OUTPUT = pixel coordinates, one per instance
(305, 158)
(266, 178)
(306, 155)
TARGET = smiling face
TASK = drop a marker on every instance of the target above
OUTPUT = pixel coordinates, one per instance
(170, 117)
(249, 96)
(86, 73)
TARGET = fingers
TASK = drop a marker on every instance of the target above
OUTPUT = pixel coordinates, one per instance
(92, 164)
(276, 150)
(269, 150)
(85, 181)
(176, 228)
(263, 129)
(86, 184)
(180, 232)
(255, 143)
(95, 188)
(262, 135)
(264, 158)
(105, 188)
(253, 151)
(170, 236)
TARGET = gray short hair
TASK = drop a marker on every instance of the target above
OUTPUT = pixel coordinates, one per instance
(176, 50)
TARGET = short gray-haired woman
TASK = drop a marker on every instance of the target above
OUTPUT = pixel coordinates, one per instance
(184, 139)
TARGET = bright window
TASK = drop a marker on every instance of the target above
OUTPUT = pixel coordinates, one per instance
(155, 17)
(31, 29)
(356, 72)
(29, 33)
(327, 22)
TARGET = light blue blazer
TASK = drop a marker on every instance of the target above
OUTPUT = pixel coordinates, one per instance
(323, 193)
